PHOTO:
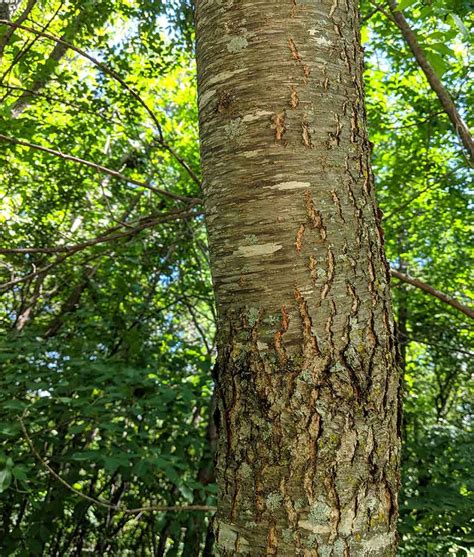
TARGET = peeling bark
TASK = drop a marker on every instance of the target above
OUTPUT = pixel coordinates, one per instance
(307, 379)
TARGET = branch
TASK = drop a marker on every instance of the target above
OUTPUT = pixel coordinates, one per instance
(58, 52)
(6, 37)
(446, 348)
(96, 62)
(104, 68)
(99, 168)
(146, 222)
(433, 79)
(101, 502)
(26, 313)
(51, 99)
(28, 45)
(439, 182)
(71, 303)
(436, 293)
(72, 250)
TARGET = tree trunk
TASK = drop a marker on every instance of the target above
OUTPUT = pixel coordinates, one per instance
(307, 380)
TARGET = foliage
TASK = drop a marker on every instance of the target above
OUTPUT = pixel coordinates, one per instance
(107, 343)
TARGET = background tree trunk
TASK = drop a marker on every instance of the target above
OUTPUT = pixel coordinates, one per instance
(308, 387)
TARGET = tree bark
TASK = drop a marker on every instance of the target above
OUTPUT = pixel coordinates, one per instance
(307, 380)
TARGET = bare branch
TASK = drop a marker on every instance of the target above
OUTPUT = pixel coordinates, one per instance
(69, 251)
(433, 79)
(104, 68)
(58, 52)
(8, 34)
(436, 293)
(100, 168)
(146, 222)
(96, 62)
(102, 502)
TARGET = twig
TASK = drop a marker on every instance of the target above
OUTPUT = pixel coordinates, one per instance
(426, 120)
(446, 348)
(371, 14)
(436, 293)
(102, 502)
(99, 168)
(51, 63)
(27, 46)
(439, 182)
(52, 99)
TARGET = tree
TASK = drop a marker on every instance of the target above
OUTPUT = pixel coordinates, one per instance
(307, 381)
(106, 305)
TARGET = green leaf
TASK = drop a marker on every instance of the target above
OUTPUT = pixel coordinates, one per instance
(14, 405)
(437, 62)
(85, 456)
(186, 492)
(20, 473)
(442, 49)
(403, 4)
(458, 23)
(5, 479)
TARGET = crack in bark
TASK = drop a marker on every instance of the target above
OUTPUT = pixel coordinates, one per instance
(294, 99)
(299, 239)
(314, 216)
(279, 126)
(310, 344)
(306, 134)
(331, 265)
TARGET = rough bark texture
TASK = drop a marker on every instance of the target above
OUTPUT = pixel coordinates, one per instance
(307, 378)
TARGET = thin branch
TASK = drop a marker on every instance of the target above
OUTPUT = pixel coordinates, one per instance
(70, 304)
(54, 99)
(96, 62)
(376, 9)
(102, 502)
(433, 79)
(104, 68)
(446, 348)
(26, 313)
(72, 250)
(426, 120)
(58, 52)
(439, 182)
(27, 46)
(182, 162)
(436, 293)
(145, 222)
(8, 34)
(199, 329)
(99, 168)
(409, 201)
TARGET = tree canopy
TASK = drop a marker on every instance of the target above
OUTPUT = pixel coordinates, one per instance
(107, 316)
